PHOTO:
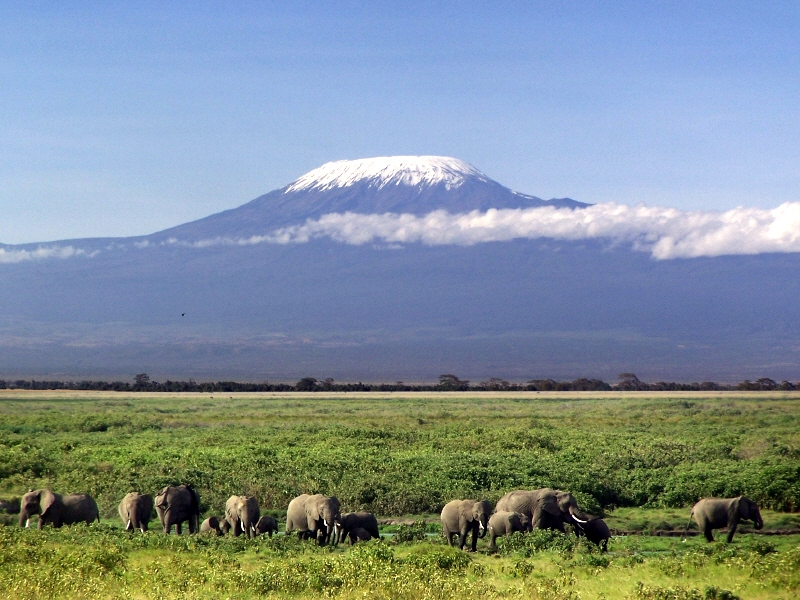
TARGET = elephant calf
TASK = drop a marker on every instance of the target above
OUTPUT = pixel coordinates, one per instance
(506, 522)
(135, 510)
(57, 509)
(359, 534)
(266, 524)
(717, 513)
(212, 524)
(353, 520)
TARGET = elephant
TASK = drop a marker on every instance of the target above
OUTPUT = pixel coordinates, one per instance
(176, 504)
(57, 509)
(546, 508)
(266, 524)
(242, 513)
(313, 516)
(224, 526)
(359, 534)
(505, 523)
(135, 511)
(212, 524)
(716, 513)
(464, 516)
(596, 531)
(352, 520)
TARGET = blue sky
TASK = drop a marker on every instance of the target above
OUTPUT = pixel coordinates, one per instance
(123, 120)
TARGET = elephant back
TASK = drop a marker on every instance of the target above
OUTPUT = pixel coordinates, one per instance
(521, 501)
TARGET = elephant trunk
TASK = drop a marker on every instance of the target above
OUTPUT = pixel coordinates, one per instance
(758, 521)
(24, 519)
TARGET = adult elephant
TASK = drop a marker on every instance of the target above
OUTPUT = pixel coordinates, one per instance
(463, 517)
(242, 513)
(506, 522)
(717, 513)
(176, 504)
(56, 509)
(353, 520)
(313, 516)
(546, 508)
(135, 511)
(596, 531)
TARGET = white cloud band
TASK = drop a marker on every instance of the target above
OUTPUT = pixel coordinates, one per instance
(8, 256)
(664, 232)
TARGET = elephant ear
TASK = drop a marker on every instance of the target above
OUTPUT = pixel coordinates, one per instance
(738, 509)
(46, 500)
(551, 506)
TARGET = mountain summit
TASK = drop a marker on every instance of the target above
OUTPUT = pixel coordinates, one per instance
(389, 184)
(416, 171)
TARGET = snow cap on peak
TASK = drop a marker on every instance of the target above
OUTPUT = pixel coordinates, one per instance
(389, 170)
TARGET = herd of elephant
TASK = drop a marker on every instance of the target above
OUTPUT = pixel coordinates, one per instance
(319, 517)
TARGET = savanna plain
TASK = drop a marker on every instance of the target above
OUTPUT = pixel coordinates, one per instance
(639, 459)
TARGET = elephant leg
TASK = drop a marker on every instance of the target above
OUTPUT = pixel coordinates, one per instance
(537, 519)
(709, 533)
(178, 528)
(492, 541)
(732, 530)
(448, 536)
(475, 538)
(462, 539)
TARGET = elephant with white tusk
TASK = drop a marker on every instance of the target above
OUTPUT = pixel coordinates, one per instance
(242, 513)
(717, 513)
(136, 510)
(313, 516)
(596, 531)
(546, 508)
(505, 523)
(56, 509)
(464, 516)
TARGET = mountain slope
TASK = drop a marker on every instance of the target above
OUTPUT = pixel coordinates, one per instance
(400, 184)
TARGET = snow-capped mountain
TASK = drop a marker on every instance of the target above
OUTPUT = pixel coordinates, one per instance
(516, 308)
(396, 184)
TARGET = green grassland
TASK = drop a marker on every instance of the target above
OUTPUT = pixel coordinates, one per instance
(640, 459)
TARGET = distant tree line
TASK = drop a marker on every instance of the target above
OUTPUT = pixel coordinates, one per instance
(447, 383)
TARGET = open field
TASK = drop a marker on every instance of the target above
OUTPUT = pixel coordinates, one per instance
(639, 458)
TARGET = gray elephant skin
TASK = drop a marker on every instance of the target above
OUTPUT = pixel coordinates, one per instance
(313, 516)
(212, 525)
(177, 504)
(505, 523)
(359, 534)
(718, 513)
(56, 509)
(596, 531)
(242, 513)
(135, 510)
(546, 508)
(463, 517)
(347, 522)
(266, 524)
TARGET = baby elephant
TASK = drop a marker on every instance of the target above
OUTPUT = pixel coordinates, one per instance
(359, 534)
(717, 513)
(596, 531)
(212, 525)
(266, 524)
(505, 523)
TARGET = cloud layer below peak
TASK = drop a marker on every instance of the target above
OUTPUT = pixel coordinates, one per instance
(665, 233)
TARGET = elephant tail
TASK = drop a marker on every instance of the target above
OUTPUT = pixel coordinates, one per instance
(688, 524)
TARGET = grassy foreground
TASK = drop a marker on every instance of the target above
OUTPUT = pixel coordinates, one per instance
(640, 458)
